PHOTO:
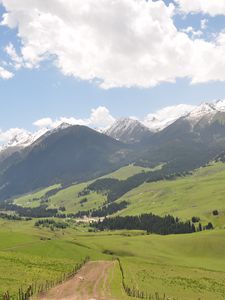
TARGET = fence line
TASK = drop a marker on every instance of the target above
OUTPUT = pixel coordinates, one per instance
(37, 288)
(135, 293)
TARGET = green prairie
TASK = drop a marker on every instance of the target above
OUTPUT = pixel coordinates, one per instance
(194, 195)
(69, 197)
(188, 266)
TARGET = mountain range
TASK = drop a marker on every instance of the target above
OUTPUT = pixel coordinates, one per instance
(73, 153)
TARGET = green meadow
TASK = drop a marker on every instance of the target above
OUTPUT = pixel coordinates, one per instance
(193, 195)
(69, 197)
(190, 266)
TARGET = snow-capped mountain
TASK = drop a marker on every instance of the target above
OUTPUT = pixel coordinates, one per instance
(220, 105)
(128, 130)
(164, 117)
(206, 113)
(205, 110)
(21, 138)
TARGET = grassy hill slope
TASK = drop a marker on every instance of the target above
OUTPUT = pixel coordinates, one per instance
(194, 195)
(182, 266)
(69, 197)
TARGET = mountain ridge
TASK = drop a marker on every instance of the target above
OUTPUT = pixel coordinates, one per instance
(72, 154)
(128, 130)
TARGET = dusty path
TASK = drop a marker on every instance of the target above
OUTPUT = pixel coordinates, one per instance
(90, 283)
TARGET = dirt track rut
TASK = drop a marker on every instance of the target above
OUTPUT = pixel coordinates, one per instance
(90, 283)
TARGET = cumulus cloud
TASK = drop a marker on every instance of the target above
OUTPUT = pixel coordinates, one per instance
(115, 43)
(211, 7)
(44, 122)
(5, 74)
(17, 61)
(194, 33)
(99, 118)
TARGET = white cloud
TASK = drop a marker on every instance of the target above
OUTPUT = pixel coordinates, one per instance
(4, 74)
(99, 118)
(116, 43)
(15, 58)
(166, 116)
(211, 7)
(204, 24)
(44, 122)
(194, 33)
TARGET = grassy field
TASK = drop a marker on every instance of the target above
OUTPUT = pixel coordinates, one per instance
(194, 195)
(69, 197)
(33, 199)
(183, 266)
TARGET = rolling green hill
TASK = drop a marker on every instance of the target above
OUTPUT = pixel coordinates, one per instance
(69, 197)
(193, 195)
(183, 266)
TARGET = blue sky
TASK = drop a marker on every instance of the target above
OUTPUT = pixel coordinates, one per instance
(44, 90)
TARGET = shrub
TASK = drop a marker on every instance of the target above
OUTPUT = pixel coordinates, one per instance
(215, 212)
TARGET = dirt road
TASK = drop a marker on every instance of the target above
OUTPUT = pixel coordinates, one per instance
(92, 282)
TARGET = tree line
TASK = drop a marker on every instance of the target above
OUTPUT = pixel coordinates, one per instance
(148, 222)
(41, 211)
(106, 210)
(114, 188)
(50, 223)
(13, 217)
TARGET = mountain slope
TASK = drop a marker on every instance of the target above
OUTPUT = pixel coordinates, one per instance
(166, 116)
(12, 150)
(128, 131)
(193, 195)
(189, 142)
(71, 154)
(196, 194)
(74, 153)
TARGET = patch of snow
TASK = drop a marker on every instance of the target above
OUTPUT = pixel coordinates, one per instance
(166, 116)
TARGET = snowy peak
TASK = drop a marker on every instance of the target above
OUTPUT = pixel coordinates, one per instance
(62, 126)
(128, 130)
(220, 105)
(20, 138)
(166, 116)
(16, 138)
(202, 110)
(205, 112)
